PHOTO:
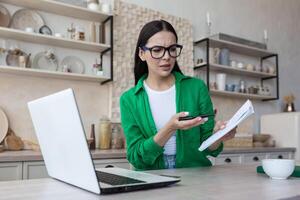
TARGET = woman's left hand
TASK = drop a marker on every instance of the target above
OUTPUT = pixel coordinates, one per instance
(219, 126)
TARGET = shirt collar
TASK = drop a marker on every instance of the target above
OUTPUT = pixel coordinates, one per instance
(140, 85)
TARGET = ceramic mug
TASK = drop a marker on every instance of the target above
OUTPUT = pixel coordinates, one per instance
(271, 69)
(250, 67)
(233, 63)
(59, 35)
(105, 8)
(93, 6)
(221, 81)
(257, 68)
(240, 65)
(29, 30)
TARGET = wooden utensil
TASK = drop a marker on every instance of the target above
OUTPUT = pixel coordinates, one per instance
(3, 125)
(2, 148)
(13, 142)
(29, 145)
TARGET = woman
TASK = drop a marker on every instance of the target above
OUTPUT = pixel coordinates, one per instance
(150, 111)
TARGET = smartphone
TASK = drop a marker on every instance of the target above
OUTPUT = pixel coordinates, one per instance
(193, 117)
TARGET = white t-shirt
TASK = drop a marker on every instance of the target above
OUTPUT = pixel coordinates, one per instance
(163, 107)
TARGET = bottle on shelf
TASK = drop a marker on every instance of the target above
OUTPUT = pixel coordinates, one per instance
(92, 32)
(116, 138)
(79, 33)
(104, 133)
(71, 32)
(92, 137)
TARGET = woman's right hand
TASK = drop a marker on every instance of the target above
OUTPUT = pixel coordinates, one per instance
(175, 124)
(164, 134)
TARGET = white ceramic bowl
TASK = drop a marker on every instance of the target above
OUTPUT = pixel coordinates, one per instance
(278, 168)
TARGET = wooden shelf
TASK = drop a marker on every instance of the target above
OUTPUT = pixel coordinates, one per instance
(228, 69)
(51, 40)
(60, 9)
(51, 74)
(240, 95)
(200, 65)
(238, 48)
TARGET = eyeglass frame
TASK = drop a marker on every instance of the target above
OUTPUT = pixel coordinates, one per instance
(144, 48)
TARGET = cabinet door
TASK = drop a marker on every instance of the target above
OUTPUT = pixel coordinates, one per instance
(10, 171)
(228, 159)
(122, 163)
(32, 170)
(280, 155)
(253, 158)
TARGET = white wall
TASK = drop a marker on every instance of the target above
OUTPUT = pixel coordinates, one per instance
(248, 19)
(17, 90)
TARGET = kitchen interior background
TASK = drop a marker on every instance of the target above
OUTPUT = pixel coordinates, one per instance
(242, 18)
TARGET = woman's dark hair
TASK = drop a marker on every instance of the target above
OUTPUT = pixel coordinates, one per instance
(149, 29)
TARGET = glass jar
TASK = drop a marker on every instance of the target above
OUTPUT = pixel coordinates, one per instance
(242, 87)
(79, 33)
(117, 139)
(104, 133)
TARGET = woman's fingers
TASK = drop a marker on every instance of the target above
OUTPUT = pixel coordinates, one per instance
(229, 135)
(191, 123)
(220, 125)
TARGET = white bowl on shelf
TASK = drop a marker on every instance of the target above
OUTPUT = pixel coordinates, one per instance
(278, 168)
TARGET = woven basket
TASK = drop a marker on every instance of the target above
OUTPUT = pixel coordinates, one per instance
(239, 141)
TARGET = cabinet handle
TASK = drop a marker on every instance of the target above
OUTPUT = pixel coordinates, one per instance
(228, 160)
(280, 156)
(255, 158)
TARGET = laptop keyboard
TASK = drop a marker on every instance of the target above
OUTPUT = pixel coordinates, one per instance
(113, 179)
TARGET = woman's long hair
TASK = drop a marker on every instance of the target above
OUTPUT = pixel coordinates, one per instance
(149, 29)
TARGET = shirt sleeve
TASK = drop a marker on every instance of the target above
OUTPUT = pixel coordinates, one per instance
(207, 128)
(142, 153)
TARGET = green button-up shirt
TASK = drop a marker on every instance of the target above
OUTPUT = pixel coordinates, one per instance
(139, 127)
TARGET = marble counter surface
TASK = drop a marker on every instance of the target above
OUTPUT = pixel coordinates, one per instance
(218, 182)
(27, 155)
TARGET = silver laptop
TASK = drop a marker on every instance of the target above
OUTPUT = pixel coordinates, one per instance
(63, 143)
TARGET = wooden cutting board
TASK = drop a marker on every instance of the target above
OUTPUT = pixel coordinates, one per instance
(13, 142)
(3, 125)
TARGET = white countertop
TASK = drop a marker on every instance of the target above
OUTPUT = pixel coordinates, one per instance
(218, 182)
(28, 155)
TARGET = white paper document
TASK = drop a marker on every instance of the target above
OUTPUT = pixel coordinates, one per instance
(245, 111)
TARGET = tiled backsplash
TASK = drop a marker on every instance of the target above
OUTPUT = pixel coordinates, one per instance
(127, 24)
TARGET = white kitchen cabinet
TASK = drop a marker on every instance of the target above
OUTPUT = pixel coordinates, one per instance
(69, 10)
(249, 158)
(228, 159)
(37, 169)
(254, 158)
(284, 129)
(10, 171)
(280, 155)
(122, 163)
(32, 170)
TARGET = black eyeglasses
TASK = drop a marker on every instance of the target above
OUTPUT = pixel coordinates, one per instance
(158, 52)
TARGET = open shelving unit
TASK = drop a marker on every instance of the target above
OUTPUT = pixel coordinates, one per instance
(244, 50)
(229, 69)
(51, 74)
(51, 40)
(59, 8)
(63, 9)
(240, 95)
